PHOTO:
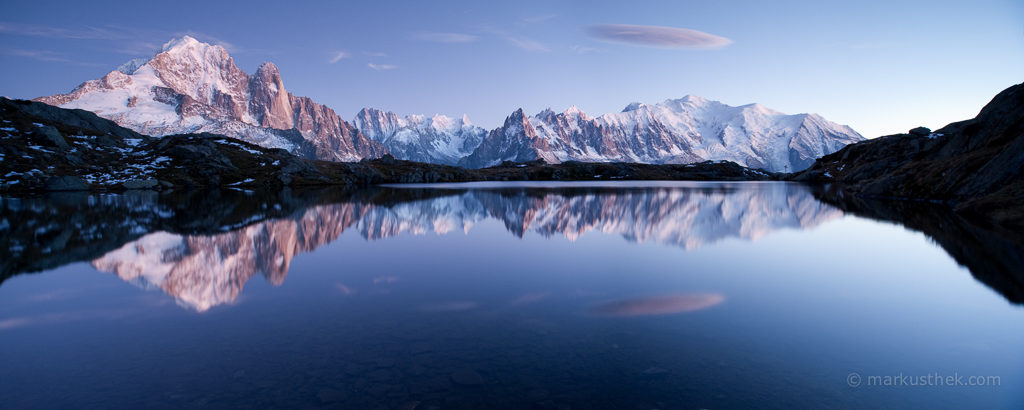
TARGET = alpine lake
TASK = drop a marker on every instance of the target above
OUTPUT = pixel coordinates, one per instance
(545, 295)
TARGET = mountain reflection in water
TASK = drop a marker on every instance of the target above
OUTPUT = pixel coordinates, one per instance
(208, 269)
(202, 247)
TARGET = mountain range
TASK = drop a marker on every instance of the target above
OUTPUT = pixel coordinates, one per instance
(191, 87)
(686, 130)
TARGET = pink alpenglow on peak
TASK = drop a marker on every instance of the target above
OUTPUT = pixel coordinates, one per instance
(192, 86)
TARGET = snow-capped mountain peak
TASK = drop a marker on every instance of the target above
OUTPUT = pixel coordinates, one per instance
(192, 86)
(443, 123)
(695, 100)
(185, 42)
(439, 139)
(634, 106)
(574, 111)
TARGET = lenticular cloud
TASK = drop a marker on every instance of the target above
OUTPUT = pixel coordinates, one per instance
(657, 36)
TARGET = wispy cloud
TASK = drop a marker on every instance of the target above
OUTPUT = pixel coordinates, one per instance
(583, 49)
(131, 40)
(514, 38)
(657, 36)
(83, 33)
(137, 48)
(381, 67)
(527, 44)
(337, 56)
(539, 19)
(445, 37)
(45, 55)
(40, 55)
(136, 38)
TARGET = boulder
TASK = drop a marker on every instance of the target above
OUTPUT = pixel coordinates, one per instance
(920, 131)
(51, 135)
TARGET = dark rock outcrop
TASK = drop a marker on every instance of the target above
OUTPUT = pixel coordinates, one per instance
(975, 166)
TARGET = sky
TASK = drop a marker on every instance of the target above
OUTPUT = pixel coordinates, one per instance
(881, 67)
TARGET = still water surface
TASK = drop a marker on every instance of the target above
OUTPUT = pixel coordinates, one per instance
(512, 295)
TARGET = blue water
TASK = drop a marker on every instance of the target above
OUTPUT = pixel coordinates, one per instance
(544, 295)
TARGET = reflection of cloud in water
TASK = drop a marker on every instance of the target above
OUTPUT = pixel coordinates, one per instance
(529, 298)
(659, 305)
(454, 306)
(13, 323)
(384, 279)
(64, 317)
(345, 290)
